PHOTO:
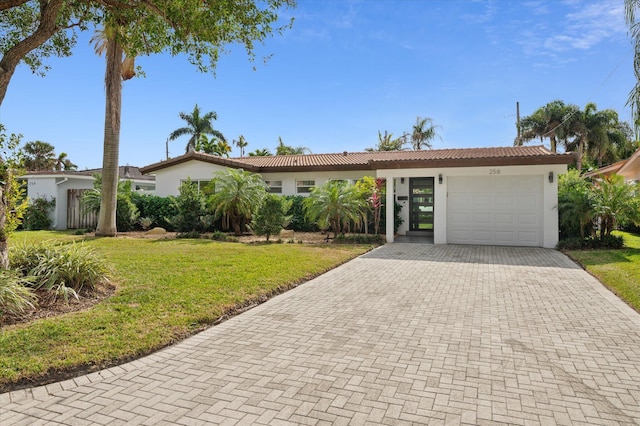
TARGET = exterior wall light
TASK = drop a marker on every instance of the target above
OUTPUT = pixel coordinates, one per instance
(550, 177)
(440, 178)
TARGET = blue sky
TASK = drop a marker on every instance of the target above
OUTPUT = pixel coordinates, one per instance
(347, 70)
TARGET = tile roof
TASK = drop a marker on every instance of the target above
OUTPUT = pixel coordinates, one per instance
(519, 155)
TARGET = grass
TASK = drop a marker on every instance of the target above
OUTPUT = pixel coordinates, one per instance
(167, 289)
(619, 270)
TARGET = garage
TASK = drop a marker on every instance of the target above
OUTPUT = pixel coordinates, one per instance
(495, 210)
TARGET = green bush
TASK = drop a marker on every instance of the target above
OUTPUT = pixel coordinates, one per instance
(59, 269)
(271, 216)
(383, 219)
(299, 222)
(191, 211)
(159, 209)
(221, 236)
(607, 242)
(36, 217)
(16, 297)
(359, 239)
(126, 213)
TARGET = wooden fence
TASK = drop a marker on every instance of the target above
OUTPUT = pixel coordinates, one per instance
(77, 218)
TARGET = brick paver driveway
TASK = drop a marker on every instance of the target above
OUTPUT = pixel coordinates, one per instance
(408, 333)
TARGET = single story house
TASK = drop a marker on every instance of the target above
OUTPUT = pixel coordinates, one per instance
(494, 196)
(66, 187)
(629, 168)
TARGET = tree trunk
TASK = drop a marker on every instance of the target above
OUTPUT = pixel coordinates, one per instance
(109, 193)
(579, 156)
(46, 29)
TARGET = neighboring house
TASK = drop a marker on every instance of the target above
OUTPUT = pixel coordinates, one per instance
(67, 188)
(629, 168)
(495, 196)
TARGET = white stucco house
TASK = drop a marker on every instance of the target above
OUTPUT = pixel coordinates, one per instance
(66, 188)
(492, 196)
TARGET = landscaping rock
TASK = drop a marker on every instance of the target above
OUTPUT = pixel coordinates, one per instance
(156, 231)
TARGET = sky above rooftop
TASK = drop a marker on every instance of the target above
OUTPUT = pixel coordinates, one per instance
(346, 70)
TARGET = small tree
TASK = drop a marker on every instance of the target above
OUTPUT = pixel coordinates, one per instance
(271, 216)
(335, 205)
(12, 200)
(237, 194)
(575, 206)
(190, 205)
(615, 202)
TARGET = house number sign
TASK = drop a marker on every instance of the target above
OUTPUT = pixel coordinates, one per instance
(494, 171)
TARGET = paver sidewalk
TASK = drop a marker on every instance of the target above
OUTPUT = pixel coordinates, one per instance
(407, 333)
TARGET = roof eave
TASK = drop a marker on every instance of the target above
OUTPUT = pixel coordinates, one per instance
(473, 162)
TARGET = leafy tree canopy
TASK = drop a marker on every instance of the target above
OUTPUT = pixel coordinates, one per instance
(32, 31)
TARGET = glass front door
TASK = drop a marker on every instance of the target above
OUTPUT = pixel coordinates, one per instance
(421, 205)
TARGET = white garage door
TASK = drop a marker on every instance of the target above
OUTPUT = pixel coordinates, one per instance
(495, 210)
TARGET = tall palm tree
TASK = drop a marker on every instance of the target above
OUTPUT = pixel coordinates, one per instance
(119, 67)
(241, 143)
(238, 193)
(197, 125)
(545, 122)
(423, 132)
(335, 205)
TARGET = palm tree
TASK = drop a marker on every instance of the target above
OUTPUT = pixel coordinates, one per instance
(615, 202)
(63, 163)
(283, 149)
(238, 193)
(196, 126)
(213, 146)
(39, 156)
(241, 143)
(545, 122)
(630, 8)
(335, 205)
(264, 152)
(423, 132)
(386, 142)
(117, 70)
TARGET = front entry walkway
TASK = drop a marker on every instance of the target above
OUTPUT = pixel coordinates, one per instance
(406, 333)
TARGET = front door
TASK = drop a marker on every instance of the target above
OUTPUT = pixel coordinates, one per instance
(421, 205)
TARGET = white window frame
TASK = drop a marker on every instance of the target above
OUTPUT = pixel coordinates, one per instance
(274, 186)
(199, 182)
(304, 184)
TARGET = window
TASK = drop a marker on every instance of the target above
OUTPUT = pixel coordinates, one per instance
(203, 185)
(305, 186)
(274, 186)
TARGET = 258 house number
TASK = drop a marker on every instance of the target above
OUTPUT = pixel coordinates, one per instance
(494, 171)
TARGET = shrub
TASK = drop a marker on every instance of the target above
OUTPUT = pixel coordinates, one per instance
(36, 216)
(221, 236)
(59, 269)
(271, 216)
(299, 222)
(397, 207)
(189, 234)
(190, 207)
(16, 297)
(359, 239)
(159, 209)
(607, 242)
(145, 222)
(126, 213)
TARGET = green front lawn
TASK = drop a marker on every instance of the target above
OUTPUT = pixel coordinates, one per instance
(619, 270)
(167, 289)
